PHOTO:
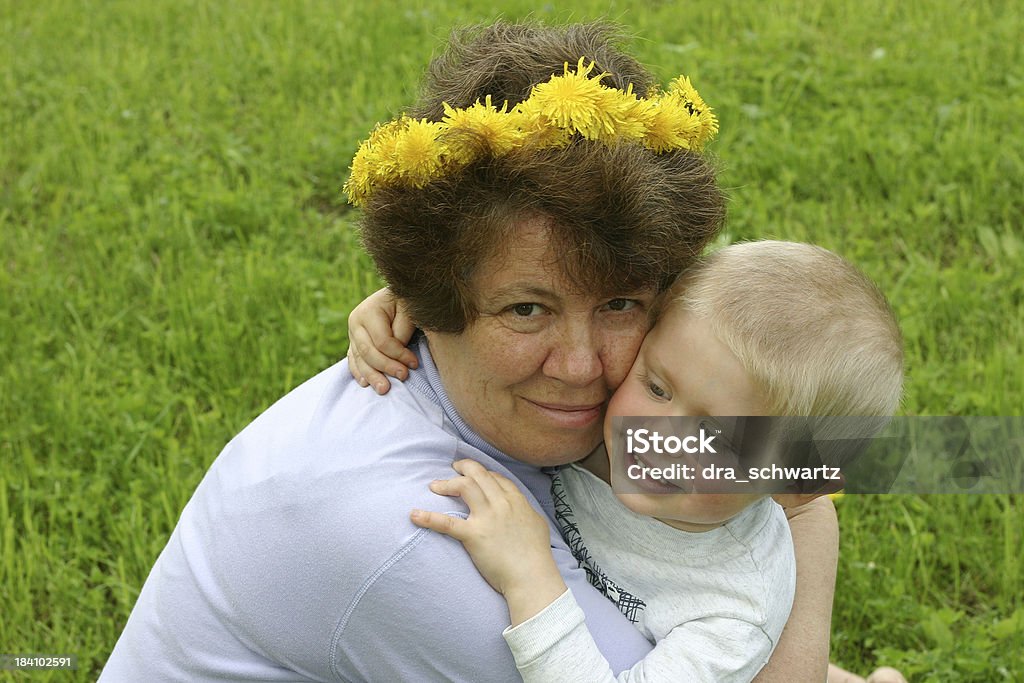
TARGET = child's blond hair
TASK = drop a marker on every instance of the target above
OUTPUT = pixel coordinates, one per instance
(815, 334)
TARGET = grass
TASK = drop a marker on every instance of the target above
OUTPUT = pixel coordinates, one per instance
(176, 255)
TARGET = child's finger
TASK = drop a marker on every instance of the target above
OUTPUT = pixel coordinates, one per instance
(506, 484)
(364, 373)
(394, 349)
(370, 351)
(466, 488)
(448, 525)
(372, 356)
(354, 369)
(403, 329)
(445, 487)
(483, 478)
(376, 331)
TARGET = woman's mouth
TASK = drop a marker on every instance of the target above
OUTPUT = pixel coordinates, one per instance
(569, 415)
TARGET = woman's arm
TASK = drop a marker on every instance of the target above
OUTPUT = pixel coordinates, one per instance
(802, 652)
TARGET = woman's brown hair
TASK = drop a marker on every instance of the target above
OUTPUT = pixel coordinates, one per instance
(622, 218)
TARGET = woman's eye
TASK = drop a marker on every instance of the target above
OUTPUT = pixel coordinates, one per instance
(621, 304)
(526, 310)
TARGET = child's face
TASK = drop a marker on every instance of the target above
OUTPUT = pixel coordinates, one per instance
(682, 369)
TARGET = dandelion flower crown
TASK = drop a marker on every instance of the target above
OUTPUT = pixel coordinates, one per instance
(412, 152)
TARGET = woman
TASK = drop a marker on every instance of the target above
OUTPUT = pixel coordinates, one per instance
(528, 253)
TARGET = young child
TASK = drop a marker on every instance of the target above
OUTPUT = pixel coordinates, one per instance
(761, 328)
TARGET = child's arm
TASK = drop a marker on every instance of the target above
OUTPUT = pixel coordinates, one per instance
(509, 543)
(378, 331)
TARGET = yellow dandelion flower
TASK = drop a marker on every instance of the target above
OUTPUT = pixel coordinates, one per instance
(695, 105)
(671, 126)
(358, 186)
(628, 115)
(682, 86)
(384, 142)
(384, 135)
(613, 107)
(708, 128)
(572, 101)
(414, 152)
(538, 129)
(418, 154)
(373, 161)
(661, 134)
(635, 120)
(493, 129)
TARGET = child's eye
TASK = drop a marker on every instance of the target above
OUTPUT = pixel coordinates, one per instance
(654, 389)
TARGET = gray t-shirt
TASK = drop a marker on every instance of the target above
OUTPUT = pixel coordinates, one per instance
(715, 602)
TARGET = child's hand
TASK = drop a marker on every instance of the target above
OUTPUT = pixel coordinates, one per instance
(378, 331)
(507, 540)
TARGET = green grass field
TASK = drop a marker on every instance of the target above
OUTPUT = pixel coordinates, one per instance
(175, 254)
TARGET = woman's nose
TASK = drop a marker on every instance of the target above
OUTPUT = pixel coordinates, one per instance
(575, 358)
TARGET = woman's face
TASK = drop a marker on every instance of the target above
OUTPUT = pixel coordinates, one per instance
(533, 373)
